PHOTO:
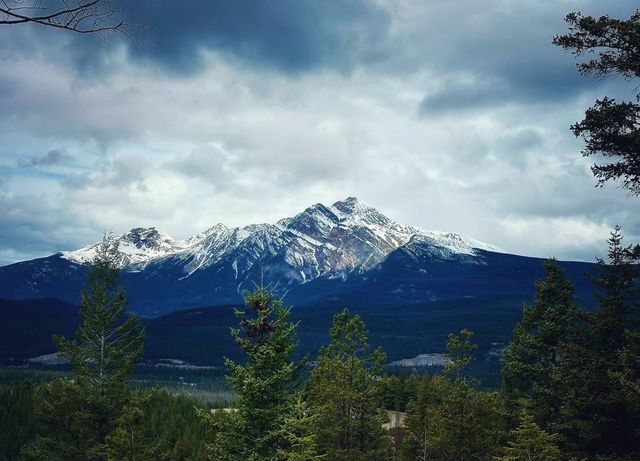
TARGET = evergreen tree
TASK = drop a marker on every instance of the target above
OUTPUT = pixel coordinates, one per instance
(345, 394)
(398, 391)
(531, 443)
(611, 129)
(467, 419)
(450, 420)
(107, 346)
(156, 425)
(128, 442)
(600, 416)
(66, 428)
(298, 433)
(541, 342)
(227, 441)
(419, 419)
(17, 418)
(78, 415)
(264, 384)
(460, 350)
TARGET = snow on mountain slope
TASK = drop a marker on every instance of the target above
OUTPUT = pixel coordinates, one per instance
(139, 246)
(331, 241)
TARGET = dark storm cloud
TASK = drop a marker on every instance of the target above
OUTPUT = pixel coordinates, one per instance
(494, 56)
(53, 157)
(289, 35)
(543, 84)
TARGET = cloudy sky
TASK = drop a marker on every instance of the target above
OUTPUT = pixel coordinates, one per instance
(448, 114)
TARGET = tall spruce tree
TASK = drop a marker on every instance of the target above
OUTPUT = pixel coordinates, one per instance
(77, 415)
(345, 394)
(297, 432)
(264, 384)
(450, 419)
(602, 416)
(420, 419)
(108, 344)
(468, 420)
(529, 442)
(541, 342)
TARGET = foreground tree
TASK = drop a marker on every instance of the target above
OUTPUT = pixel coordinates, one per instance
(541, 342)
(529, 443)
(156, 425)
(345, 394)
(450, 419)
(297, 433)
(420, 419)
(601, 416)
(610, 128)
(264, 385)
(78, 414)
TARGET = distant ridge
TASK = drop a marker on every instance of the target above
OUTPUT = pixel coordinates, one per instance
(344, 253)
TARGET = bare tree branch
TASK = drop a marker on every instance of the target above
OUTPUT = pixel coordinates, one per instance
(98, 17)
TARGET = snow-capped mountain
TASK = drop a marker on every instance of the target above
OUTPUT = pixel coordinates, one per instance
(323, 241)
(344, 254)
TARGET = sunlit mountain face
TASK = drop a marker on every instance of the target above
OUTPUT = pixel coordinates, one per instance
(339, 253)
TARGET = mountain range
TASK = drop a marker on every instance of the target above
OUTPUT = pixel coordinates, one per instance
(343, 253)
(410, 285)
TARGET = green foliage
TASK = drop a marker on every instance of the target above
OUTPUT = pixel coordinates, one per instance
(461, 350)
(70, 426)
(600, 417)
(529, 442)
(450, 419)
(345, 394)
(107, 346)
(399, 390)
(264, 384)
(533, 361)
(17, 418)
(575, 372)
(156, 425)
(76, 416)
(225, 426)
(610, 129)
(297, 433)
(127, 442)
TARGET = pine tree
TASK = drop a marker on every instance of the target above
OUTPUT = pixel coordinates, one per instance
(460, 350)
(345, 394)
(601, 416)
(128, 441)
(611, 129)
(77, 415)
(297, 432)
(17, 419)
(107, 346)
(227, 429)
(419, 419)
(267, 381)
(541, 341)
(157, 425)
(531, 443)
(467, 421)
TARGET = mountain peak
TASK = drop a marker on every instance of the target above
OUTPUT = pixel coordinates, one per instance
(352, 205)
(323, 240)
(360, 212)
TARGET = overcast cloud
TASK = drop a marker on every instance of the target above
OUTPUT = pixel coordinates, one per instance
(451, 115)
